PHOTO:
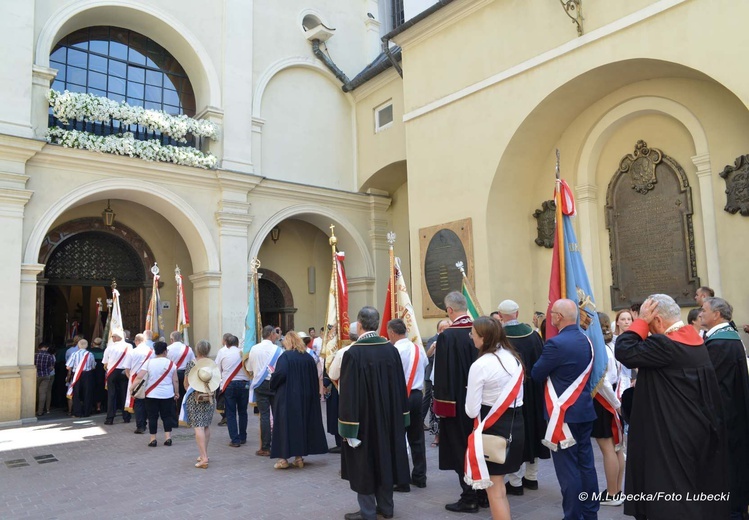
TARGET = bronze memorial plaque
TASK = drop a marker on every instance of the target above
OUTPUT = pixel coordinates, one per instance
(441, 248)
(649, 218)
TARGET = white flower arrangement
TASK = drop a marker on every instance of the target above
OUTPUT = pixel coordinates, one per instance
(151, 150)
(91, 108)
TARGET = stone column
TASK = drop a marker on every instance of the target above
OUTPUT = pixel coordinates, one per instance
(17, 313)
(27, 337)
(206, 311)
(234, 221)
(707, 203)
(42, 78)
(378, 229)
(237, 70)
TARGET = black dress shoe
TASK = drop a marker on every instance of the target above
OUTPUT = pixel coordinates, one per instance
(152, 444)
(383, 515)
(402, 488)
(419, 483)
(483, 501)
(335, 449)
(353, 516)
(462, 507)
(234, 444)
(530, 484)
(168, 442)
(243, 441)
(513, 490)
(138, 430)
(109, 422)
(127, 421)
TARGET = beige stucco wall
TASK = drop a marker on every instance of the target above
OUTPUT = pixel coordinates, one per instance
(488, 153)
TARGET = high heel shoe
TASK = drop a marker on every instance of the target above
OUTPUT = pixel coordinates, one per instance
(202, 465)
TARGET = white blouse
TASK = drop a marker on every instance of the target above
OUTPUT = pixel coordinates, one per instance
(486, 380)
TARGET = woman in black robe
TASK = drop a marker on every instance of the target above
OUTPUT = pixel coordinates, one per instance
(297, 416)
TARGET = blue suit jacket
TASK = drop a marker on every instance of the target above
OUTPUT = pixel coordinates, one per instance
(564, 358)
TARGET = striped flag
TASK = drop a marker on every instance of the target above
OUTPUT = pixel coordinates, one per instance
(403, 307)
(473, 307)
(252, 324)
(569, 279)
(183, 317)
(337, 318)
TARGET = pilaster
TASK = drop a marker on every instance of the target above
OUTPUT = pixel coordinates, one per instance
(707, 204)
(587, 210)
(42, 78)
(206, 297)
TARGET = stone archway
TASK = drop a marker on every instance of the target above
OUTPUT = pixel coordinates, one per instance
(82, 257)
(276, 300)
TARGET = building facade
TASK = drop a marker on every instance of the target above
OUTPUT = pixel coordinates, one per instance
(317, 126)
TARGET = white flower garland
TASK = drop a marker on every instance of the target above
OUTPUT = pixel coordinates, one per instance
(88, 107)
(151, 150)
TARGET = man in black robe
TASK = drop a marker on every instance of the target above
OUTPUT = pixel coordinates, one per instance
(453, 357)
(729, 361)
(529, 345)
(676, 448)
(372, 418)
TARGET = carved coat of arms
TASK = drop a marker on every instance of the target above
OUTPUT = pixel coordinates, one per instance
(737, 186)
(545, 220)
(641, 167)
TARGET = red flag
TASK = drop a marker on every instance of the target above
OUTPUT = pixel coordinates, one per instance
(343, 318)
(386, 314)
(565, 205)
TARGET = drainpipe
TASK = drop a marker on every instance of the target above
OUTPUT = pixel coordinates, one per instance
(329, 63)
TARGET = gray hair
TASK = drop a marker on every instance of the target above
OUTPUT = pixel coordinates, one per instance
(148, 334)
(666, 306)
(267, 331)
(175, 336)
(368, 318)
(720, 305)
(456, 301)
(139, 338)
(203, 348)
(82, 343)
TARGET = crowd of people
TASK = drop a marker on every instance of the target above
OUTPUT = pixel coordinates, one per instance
(495, 392)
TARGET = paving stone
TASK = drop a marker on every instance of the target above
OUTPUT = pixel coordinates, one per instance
(106, 471)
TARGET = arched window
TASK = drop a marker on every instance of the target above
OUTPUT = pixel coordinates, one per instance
(121, 65)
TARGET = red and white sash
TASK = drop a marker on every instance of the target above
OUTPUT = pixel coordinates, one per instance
(182, 357)
(616, 423)
(109, 371)
(78, 371)
(160, 379)
(229, 379)
(476, 471)
(558, 434)
(414, 367)
(130, 403)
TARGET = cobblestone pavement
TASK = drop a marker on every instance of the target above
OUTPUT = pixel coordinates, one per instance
(63, 468)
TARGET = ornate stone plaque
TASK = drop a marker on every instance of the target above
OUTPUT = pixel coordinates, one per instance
(649, 218)
(441, 247)
(737, 186)
(545, 218)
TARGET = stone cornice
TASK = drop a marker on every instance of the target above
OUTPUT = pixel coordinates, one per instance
(206, 279)
(702, 162)
(16, 151)
(439, 20)
(29, 272)
(13, 201)
(284, 190)
(43, 76)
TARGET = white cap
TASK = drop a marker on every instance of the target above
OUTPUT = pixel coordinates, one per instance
(508, 307)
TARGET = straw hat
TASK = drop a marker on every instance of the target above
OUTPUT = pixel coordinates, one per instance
(204, 376)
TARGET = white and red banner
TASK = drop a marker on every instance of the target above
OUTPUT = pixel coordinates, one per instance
(337, 318)
(183, 317)
(403, 308)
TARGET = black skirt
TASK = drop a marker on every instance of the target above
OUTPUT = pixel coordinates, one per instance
(502, 427)
(602, 424)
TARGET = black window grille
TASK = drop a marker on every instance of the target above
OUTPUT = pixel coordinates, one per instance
(122, 65)
(398, 13)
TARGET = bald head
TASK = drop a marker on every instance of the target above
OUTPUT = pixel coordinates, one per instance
(564, 313)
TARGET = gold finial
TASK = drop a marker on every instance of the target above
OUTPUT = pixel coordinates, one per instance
(254, 265)
(333, 240)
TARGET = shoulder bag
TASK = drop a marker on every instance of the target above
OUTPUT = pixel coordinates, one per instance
(496, 447)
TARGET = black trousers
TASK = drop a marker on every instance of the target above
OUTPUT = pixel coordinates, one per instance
(415, 435)
(116, 391)
(426, 405)
(182, 391)
(83, 394)
(140, 414)
(163, 408)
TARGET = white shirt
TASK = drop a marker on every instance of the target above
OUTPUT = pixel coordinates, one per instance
(486, 380)
(175, 351)
(227, 359)
(717, 328)
(155, 366)
(260, 356)
(135, 357)
(406, 348)
(317, 345)
(334, 371)
(113, 353)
